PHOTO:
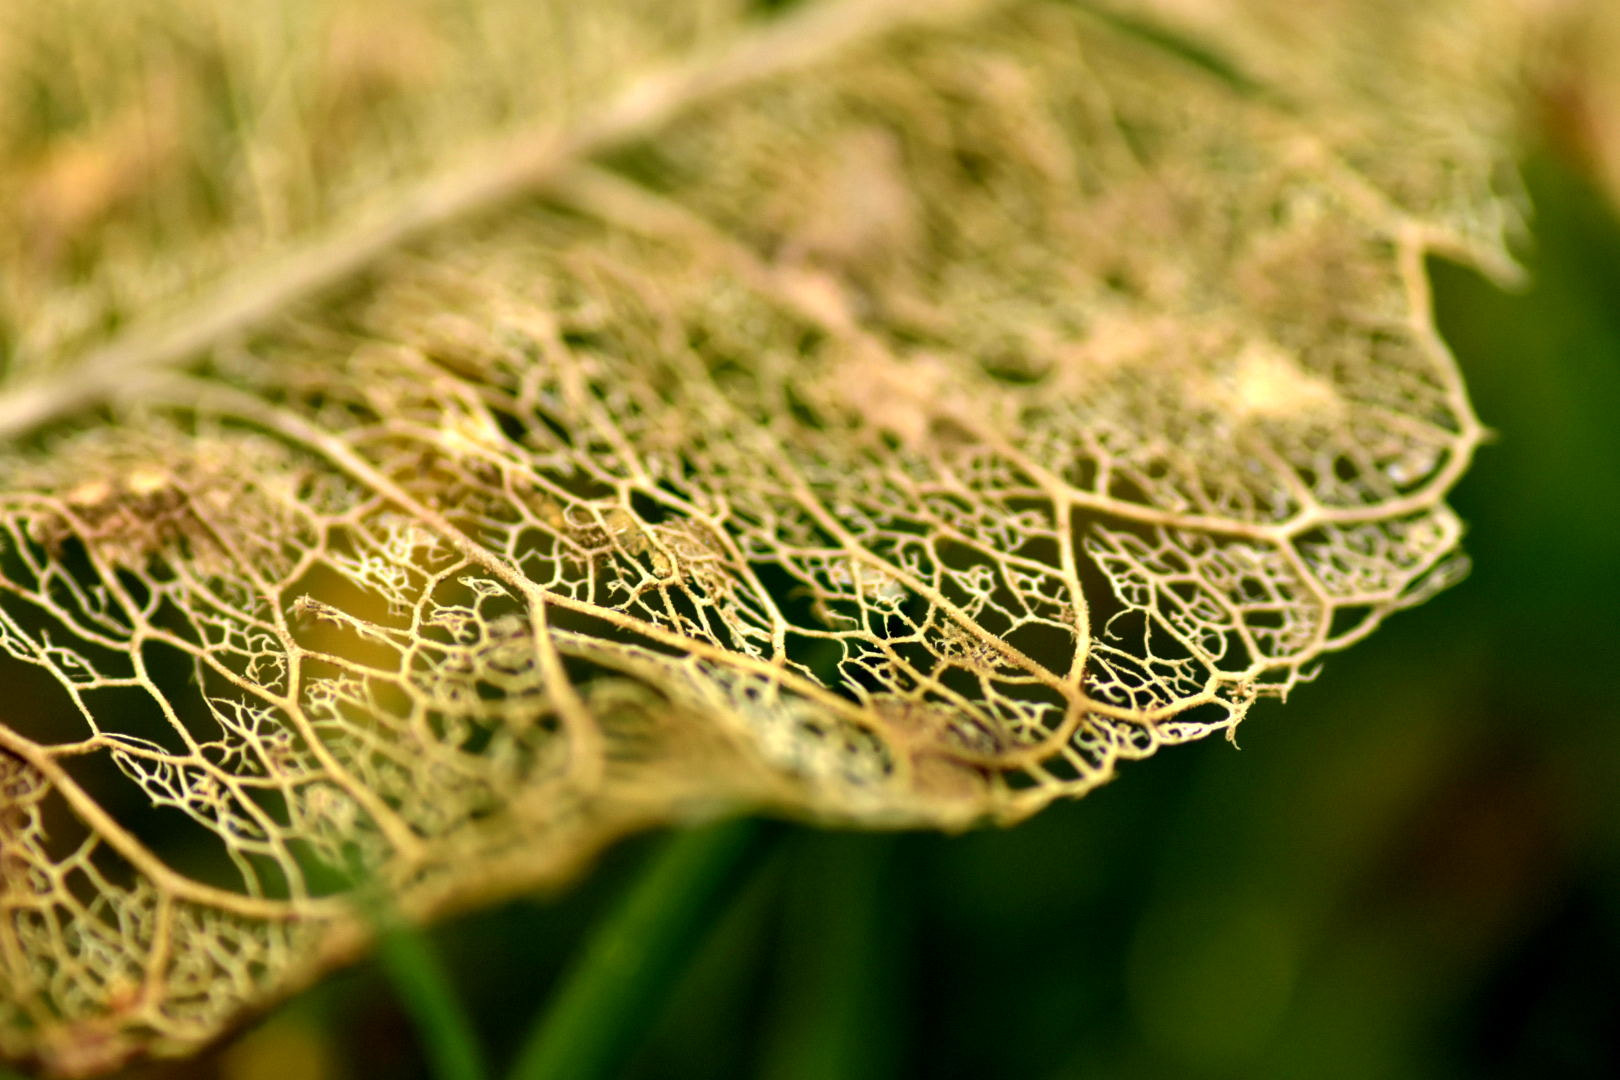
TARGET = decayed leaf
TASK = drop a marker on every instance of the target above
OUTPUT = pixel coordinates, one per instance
(449, 437)
(1579, 81)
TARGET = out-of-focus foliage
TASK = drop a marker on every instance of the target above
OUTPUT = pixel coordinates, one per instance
(510, 428)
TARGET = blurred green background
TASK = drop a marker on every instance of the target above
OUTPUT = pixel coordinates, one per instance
(1410, 870)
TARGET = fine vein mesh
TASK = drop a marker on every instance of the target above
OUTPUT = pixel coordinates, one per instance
(899, 443)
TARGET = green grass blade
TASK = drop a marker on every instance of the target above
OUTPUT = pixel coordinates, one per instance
(838, 1012)
(428, 997)
(593, 1022)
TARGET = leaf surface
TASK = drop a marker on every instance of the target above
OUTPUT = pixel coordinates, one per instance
(446, 438)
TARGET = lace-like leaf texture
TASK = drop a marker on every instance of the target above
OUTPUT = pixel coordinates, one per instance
(495, 428)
